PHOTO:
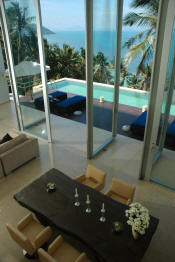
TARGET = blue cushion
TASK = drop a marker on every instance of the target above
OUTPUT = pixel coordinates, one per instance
(141, 120)
(71, 101)
(51, 95)
(56, 94)
(41, 99)
(171, 129)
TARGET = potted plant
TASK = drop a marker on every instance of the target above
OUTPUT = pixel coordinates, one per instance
(138, 219)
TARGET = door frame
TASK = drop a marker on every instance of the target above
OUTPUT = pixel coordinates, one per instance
(159, 70)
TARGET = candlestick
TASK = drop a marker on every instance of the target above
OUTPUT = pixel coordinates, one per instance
(77, 203)
(102, 218)
(88, 209)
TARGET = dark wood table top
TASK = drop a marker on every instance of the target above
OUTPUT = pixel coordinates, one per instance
(58, 210)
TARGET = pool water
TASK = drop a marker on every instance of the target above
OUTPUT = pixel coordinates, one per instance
(126, 97)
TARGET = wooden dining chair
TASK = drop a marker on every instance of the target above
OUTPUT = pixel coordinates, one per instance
(94, 178)
(29, 235)
(61, 251)
(121, 191)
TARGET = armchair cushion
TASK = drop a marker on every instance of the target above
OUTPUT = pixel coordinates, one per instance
(21, 240)
(23, 222)
(44, 256)
(123, 189)
(19, 154)
(30, 234)
(6, 138)
(42, 237)
(94, 178)
(81, 178)
(66, 252)
(118, 198)
(55, 245)
(90, 182)
(14, 142)
(95, 173)
(82, 258)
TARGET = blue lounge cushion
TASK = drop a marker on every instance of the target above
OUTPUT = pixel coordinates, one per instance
(51, 95)
(171, 129)
(56, 94)
(141, 120)
(41, 99)
(71, 101)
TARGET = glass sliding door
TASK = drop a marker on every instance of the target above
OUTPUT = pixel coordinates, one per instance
(168, 109)
(166, 134)
(20, 20)
(104, 36)
(161, 104)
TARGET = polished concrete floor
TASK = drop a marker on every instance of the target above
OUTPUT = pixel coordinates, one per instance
(68, 154)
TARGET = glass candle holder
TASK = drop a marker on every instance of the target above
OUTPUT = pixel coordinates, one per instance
(102, 218)
(88, 209)
(76, 203)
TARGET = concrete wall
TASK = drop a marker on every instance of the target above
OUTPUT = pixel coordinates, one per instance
(4, 94)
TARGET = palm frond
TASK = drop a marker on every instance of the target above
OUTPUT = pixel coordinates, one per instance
(131, 41)
(150, 4)
(140, 19)
(135, 51)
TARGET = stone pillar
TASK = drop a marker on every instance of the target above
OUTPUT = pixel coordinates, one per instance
(4, 93)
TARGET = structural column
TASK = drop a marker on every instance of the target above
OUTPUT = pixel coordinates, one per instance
(4, 93)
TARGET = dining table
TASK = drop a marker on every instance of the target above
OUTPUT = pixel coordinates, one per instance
(85, 231)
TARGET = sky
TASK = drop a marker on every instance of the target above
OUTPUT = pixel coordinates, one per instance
(69, 14)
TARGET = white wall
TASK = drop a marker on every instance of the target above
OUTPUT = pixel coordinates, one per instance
(4, 94)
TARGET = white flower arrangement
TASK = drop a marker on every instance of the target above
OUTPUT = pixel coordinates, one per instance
(138, 217)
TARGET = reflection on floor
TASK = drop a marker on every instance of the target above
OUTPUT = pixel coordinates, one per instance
(163, 170)
(68, 154)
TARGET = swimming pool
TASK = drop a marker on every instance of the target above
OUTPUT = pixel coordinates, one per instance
(126, 97)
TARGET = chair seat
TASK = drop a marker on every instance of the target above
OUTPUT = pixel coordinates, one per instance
(32, 230)
(89, 182)
(66, 253)
(118, 198)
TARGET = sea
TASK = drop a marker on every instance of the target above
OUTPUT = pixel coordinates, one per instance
(103, 41)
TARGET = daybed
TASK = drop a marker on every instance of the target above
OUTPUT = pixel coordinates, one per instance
(138, 126)
(54, 98)
(70, 105)
(170, 134)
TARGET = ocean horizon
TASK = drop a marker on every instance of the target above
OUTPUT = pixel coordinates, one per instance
(103, 41)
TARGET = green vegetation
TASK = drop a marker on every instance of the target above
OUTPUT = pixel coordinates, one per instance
(68, 62)
(142, 44)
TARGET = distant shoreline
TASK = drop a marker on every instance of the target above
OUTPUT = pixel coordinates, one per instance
(104, 41)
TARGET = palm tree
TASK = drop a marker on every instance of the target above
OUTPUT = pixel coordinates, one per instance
(82, 65)
(22, 33)
(146, 78)
(68, 62)
(101, 71)
(124, 74)
(133, 81)
(142, 44)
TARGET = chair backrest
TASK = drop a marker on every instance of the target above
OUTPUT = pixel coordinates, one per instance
(21, 239)
(44, 256)
(123, 189)
(96, 173)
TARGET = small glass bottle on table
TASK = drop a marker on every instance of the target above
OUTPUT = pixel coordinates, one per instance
(102, 218)
(88, 209)
(77, 203)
